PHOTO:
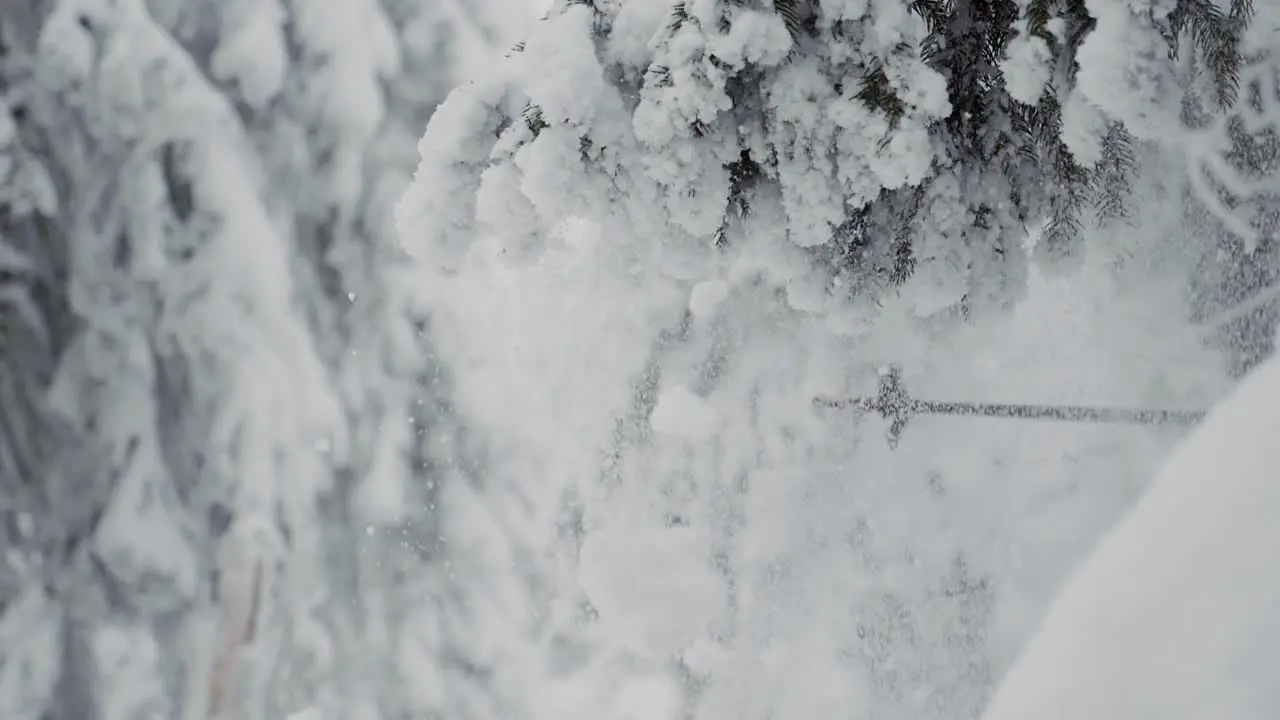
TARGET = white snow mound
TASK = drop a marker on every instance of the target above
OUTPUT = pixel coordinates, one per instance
(1176, 615)
(681, 413)
(706, 297)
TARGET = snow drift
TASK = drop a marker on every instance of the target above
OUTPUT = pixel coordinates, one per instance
(1177, 614)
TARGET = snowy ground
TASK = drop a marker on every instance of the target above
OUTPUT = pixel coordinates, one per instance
(1176, 615)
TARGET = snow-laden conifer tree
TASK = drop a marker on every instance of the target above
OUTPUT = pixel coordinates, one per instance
(197, 237)
(192, 372)
(1232, 200)
(664, 228)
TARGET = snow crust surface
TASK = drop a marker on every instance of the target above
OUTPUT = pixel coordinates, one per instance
(1176, 615)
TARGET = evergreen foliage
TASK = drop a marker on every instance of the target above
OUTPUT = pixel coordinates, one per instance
(212, 356)
(1011, 145)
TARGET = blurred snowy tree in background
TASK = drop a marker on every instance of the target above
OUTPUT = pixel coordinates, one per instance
(213, 370)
